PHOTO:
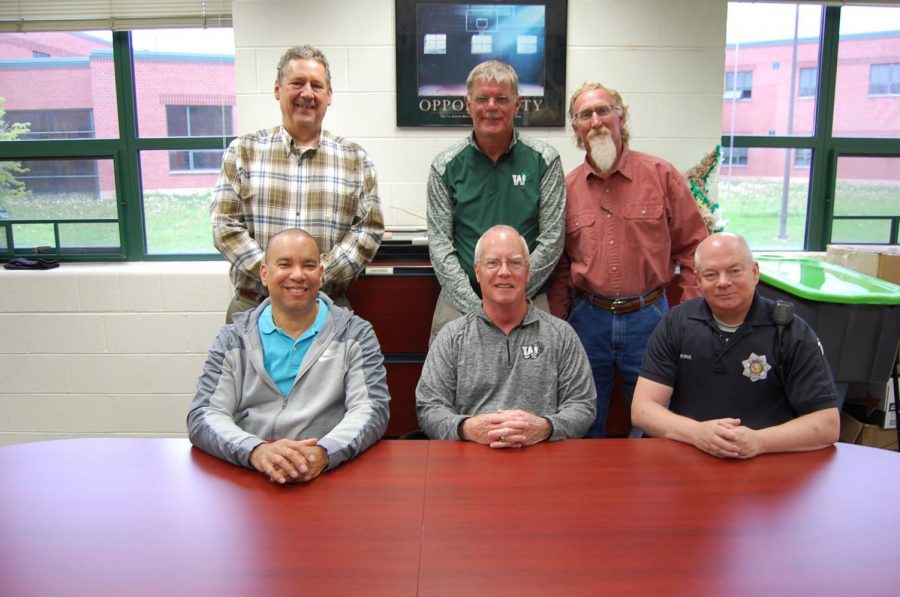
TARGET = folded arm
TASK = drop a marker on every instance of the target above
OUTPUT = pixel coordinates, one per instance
(727, 438)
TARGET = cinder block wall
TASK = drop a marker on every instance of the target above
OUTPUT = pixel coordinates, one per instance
(116, 349)
(105, 349)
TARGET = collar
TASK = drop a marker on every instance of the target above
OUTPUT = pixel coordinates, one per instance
(267, 323)
(290, 146)
(512, 141)
(758, 315)
(531, 316)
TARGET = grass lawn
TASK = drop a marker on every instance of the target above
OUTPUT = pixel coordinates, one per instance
(175, 223)
(178, 223)
(753, 207)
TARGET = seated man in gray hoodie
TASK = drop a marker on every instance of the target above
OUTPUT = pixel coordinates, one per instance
(507, 375)
(297, 385)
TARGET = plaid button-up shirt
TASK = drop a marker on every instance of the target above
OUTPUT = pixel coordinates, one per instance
(267, 184)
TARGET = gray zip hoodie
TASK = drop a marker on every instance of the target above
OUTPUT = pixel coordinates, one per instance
(340, 394)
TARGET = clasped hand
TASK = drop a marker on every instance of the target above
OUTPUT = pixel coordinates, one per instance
(506, 429)
(727, 438)
(286, 460)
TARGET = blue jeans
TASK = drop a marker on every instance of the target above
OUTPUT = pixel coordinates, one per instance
(614, 341)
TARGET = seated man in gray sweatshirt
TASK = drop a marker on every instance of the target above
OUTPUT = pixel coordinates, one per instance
(297, 385)
(506, 375)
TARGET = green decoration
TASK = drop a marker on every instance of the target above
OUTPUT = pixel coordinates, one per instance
(702, 179)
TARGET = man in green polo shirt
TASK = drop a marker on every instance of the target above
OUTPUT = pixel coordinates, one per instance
(496, 175)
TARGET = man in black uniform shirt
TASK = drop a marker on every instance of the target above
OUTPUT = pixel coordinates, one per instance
(740, 376)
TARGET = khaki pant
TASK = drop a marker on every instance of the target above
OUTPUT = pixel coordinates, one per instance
(237, 305)
(445, 312)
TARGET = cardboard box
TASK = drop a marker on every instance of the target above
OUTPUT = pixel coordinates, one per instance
(875, 409)
(879, 261)
(889, 407)
(864, 434)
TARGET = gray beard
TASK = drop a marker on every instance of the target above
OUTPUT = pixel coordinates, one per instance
(603, 152)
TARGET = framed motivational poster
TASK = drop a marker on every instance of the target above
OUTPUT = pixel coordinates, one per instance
(440, 41)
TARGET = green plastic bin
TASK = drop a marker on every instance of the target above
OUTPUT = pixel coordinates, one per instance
(857, 317)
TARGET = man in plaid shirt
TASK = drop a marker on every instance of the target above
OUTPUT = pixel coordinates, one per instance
(296, 175)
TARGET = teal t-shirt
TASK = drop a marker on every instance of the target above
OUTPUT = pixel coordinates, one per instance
(283, 354)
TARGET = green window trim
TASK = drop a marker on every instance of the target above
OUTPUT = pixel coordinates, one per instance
(124, 152)
(826, 147)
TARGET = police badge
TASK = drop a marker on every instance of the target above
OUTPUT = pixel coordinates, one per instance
(756, 367)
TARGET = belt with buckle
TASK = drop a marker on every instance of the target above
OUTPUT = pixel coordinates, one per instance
(247, 294)
(622, 305)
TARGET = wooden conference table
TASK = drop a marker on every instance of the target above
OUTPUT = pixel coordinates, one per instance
(585, 517)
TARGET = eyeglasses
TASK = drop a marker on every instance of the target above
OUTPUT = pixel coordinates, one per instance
(516, 264)
(603, 110)
(317, 88)
(500, 100)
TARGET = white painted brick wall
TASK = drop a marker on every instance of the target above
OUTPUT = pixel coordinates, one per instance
(105, 349)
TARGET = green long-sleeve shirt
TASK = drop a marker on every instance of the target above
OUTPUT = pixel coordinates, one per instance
(468, 193)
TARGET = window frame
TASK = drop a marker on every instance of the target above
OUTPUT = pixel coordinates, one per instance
(225, 116)
(124, 152)
(826, 147)
(803, 87)
(743, 77)
(729, 153)
(804, 162)
(893, 86)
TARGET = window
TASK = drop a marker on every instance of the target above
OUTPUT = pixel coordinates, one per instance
(884, 79)
(802, 158)
(808, 82)
(527, 44)
(61, 177)
(197, 121)
(739, 85)
(435, 43)
(790, 195)
(866, 200)
(87, 187)
(734, 156)
(54, 124)
(481, 44)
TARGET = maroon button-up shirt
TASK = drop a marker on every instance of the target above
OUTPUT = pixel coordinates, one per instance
(626, 232)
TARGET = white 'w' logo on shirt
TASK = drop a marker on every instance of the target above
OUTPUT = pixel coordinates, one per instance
(533, 351)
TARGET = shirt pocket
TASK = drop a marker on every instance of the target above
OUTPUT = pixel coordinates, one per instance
(581, 237)
(646, 228)
(264, 198)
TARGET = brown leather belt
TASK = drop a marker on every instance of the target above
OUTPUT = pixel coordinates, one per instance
(622, 305)
(249, 295)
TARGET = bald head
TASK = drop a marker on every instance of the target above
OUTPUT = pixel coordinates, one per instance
(723, 241)
(500, 230)
(727, 275)
(292, 233)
